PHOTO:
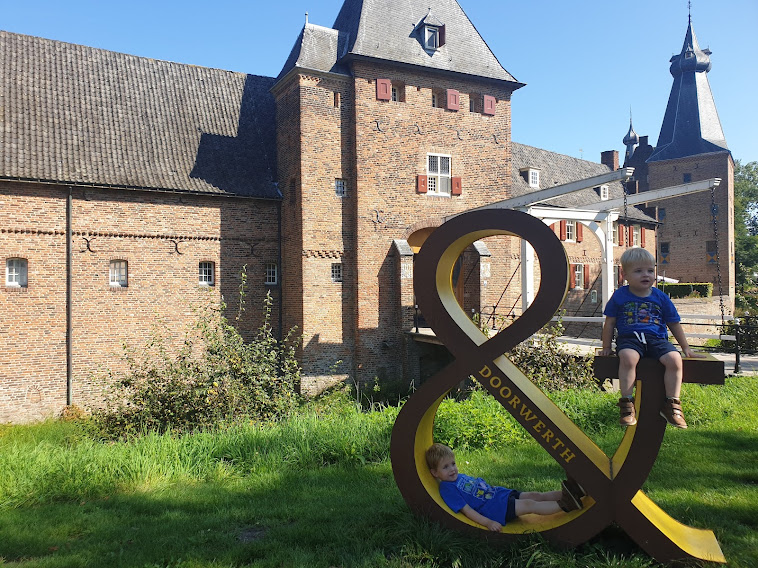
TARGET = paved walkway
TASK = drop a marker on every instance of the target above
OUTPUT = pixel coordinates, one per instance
(748, 363)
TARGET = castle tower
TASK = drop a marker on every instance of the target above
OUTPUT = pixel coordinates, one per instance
(392, 119)
(696, 237)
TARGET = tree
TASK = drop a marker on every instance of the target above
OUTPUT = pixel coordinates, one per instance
(746, 233)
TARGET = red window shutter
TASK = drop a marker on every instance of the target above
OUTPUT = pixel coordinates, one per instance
(457, 188)
(421, 186)
(563, 230)
(622, 232)
(442, 36)
(489, 105)
(586, 276)
(384, 90)
(642, 236)
(630, 238)
(579, 232)
(572, 276)
(453, 100)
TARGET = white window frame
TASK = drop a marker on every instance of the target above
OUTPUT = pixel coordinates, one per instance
(615, 235)
(636, 230)
(16, 272)
(272, 274)
(118, 273)
(604, 193)
(534, 178)
(579, 277)
(593, 297)
(439, 182)
(571, 231)
(431, 37)
(337, 274)
(206, 273)
(340, 187)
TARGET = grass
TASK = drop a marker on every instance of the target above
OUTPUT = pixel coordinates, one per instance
(317, 490)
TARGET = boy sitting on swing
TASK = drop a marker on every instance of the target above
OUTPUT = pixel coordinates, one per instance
(640, 314)
(491, 506)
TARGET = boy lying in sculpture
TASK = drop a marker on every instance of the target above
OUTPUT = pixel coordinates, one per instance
(492, 506)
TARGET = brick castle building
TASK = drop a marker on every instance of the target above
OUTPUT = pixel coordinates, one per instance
(133, 189)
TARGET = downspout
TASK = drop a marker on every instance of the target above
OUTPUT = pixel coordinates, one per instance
(281, 271)
(69, 236)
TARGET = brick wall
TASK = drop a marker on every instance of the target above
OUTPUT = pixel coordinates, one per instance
(163, 237)
(688, 222)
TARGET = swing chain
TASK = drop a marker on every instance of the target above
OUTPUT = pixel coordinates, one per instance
(714, 210)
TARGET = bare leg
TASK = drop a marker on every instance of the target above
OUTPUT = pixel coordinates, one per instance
(628, 359)
(541, 496)
(524, 506)
(672, 376)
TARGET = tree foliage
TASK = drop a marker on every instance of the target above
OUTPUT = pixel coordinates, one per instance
(746, 233)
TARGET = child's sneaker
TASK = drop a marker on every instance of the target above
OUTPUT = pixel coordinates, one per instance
(574, 488)
(626, 412)
(568, 502)
(672, 412)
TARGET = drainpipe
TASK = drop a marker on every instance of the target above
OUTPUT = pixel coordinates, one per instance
(69, 296)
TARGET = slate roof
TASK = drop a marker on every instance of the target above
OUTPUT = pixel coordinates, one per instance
(72, 114)
(388, 30)
(557, 169)
(691, 124)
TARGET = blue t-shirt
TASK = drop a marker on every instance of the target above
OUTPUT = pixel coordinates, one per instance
(648, 315)
(492, 502)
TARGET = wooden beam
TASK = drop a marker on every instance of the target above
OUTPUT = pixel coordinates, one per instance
(654, 195)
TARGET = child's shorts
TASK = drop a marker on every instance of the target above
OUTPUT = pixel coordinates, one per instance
(655, 347)
(510, 510)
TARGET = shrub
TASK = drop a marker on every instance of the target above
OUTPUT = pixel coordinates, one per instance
(220, 379)
(550, 367)
(687, 289)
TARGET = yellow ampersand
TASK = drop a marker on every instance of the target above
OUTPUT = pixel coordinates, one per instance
(613, 483)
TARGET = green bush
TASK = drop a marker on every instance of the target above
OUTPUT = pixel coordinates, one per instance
(551, 368)
(215, 377)
(687, 289)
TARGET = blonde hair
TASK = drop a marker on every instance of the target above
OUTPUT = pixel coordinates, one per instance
(436, 453)
(636, 255)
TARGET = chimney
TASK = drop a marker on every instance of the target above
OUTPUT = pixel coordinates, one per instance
(610, 158)
(643, 141)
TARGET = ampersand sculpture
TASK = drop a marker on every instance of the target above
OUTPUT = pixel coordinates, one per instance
(613, 483)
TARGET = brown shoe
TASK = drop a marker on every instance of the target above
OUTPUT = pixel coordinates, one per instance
(672, 412)
(568, 502)
(574, 488)
(626, 412)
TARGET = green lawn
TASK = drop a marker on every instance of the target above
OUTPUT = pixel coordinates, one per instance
(317, 490)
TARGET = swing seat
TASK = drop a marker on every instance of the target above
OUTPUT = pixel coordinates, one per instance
(706, 370)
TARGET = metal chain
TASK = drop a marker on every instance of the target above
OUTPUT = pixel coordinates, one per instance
(714, 210)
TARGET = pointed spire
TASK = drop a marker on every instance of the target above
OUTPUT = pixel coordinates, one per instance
(691, 124)
(631, 139)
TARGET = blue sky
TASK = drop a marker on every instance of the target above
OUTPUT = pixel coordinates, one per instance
(585, 63)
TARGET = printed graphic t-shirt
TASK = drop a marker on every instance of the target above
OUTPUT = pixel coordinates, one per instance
(649, 315)
(487, 500)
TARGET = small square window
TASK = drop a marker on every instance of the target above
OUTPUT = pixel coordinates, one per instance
(604, 193)
(340, 187)
(206, 274)
(16, 270)
(438, 168)
(336, 272)
(118, 274)
(687, 177)
(593, 297)
(272, 274)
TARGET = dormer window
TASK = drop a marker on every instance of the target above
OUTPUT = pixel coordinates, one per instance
(431, 37)
(531, 176)
(431, 32)
(603, 192)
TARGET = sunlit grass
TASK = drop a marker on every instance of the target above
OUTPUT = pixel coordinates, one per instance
(317, 490)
